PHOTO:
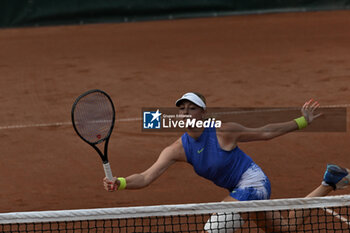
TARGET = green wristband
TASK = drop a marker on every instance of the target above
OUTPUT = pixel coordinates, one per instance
(301, 122)
(122, 184)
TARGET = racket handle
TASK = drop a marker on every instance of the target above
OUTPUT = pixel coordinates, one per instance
(108, 170)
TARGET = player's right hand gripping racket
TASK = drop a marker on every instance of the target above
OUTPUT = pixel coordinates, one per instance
(93, 117)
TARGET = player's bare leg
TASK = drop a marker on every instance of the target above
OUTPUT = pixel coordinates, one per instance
(335, 178)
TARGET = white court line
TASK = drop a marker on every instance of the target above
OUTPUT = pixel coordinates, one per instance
(34, 125)
(341, 218)
(21, 126)
(57, 124)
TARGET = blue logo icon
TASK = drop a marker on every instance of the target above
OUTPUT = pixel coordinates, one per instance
(151, 120)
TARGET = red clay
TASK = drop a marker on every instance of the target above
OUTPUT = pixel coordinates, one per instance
(273, 60)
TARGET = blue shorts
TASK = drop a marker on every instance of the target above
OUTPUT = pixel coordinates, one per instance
(253, 185)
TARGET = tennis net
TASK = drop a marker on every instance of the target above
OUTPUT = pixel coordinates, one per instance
(323, 214)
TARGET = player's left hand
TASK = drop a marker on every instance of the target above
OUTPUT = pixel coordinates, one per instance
(110, 185)
(308, 110)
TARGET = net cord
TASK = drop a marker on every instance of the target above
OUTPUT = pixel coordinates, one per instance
(169, 210)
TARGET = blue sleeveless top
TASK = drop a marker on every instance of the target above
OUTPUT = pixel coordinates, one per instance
(224, 168)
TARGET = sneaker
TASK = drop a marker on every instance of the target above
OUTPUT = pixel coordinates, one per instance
(336, 176)
(343, 183)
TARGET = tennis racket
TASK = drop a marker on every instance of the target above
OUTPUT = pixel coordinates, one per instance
(93, 117)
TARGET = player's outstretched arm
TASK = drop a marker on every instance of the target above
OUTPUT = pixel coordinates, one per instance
(269, 131)
(167, 157)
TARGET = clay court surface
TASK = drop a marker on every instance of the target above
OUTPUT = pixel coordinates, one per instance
(272, 60)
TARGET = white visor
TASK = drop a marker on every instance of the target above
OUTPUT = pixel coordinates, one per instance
(193, 98)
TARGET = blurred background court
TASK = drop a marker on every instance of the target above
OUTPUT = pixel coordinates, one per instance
(235, 60)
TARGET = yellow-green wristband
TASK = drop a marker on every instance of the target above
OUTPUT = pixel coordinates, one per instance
(301, 122)
(122, 184)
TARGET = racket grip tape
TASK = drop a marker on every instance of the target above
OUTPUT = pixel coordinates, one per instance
(108, 170)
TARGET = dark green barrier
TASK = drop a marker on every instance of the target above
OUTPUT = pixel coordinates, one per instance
(15, 13)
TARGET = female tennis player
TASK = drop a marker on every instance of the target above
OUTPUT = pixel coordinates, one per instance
(215, 155)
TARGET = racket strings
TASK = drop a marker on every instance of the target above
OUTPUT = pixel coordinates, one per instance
(94, 117)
